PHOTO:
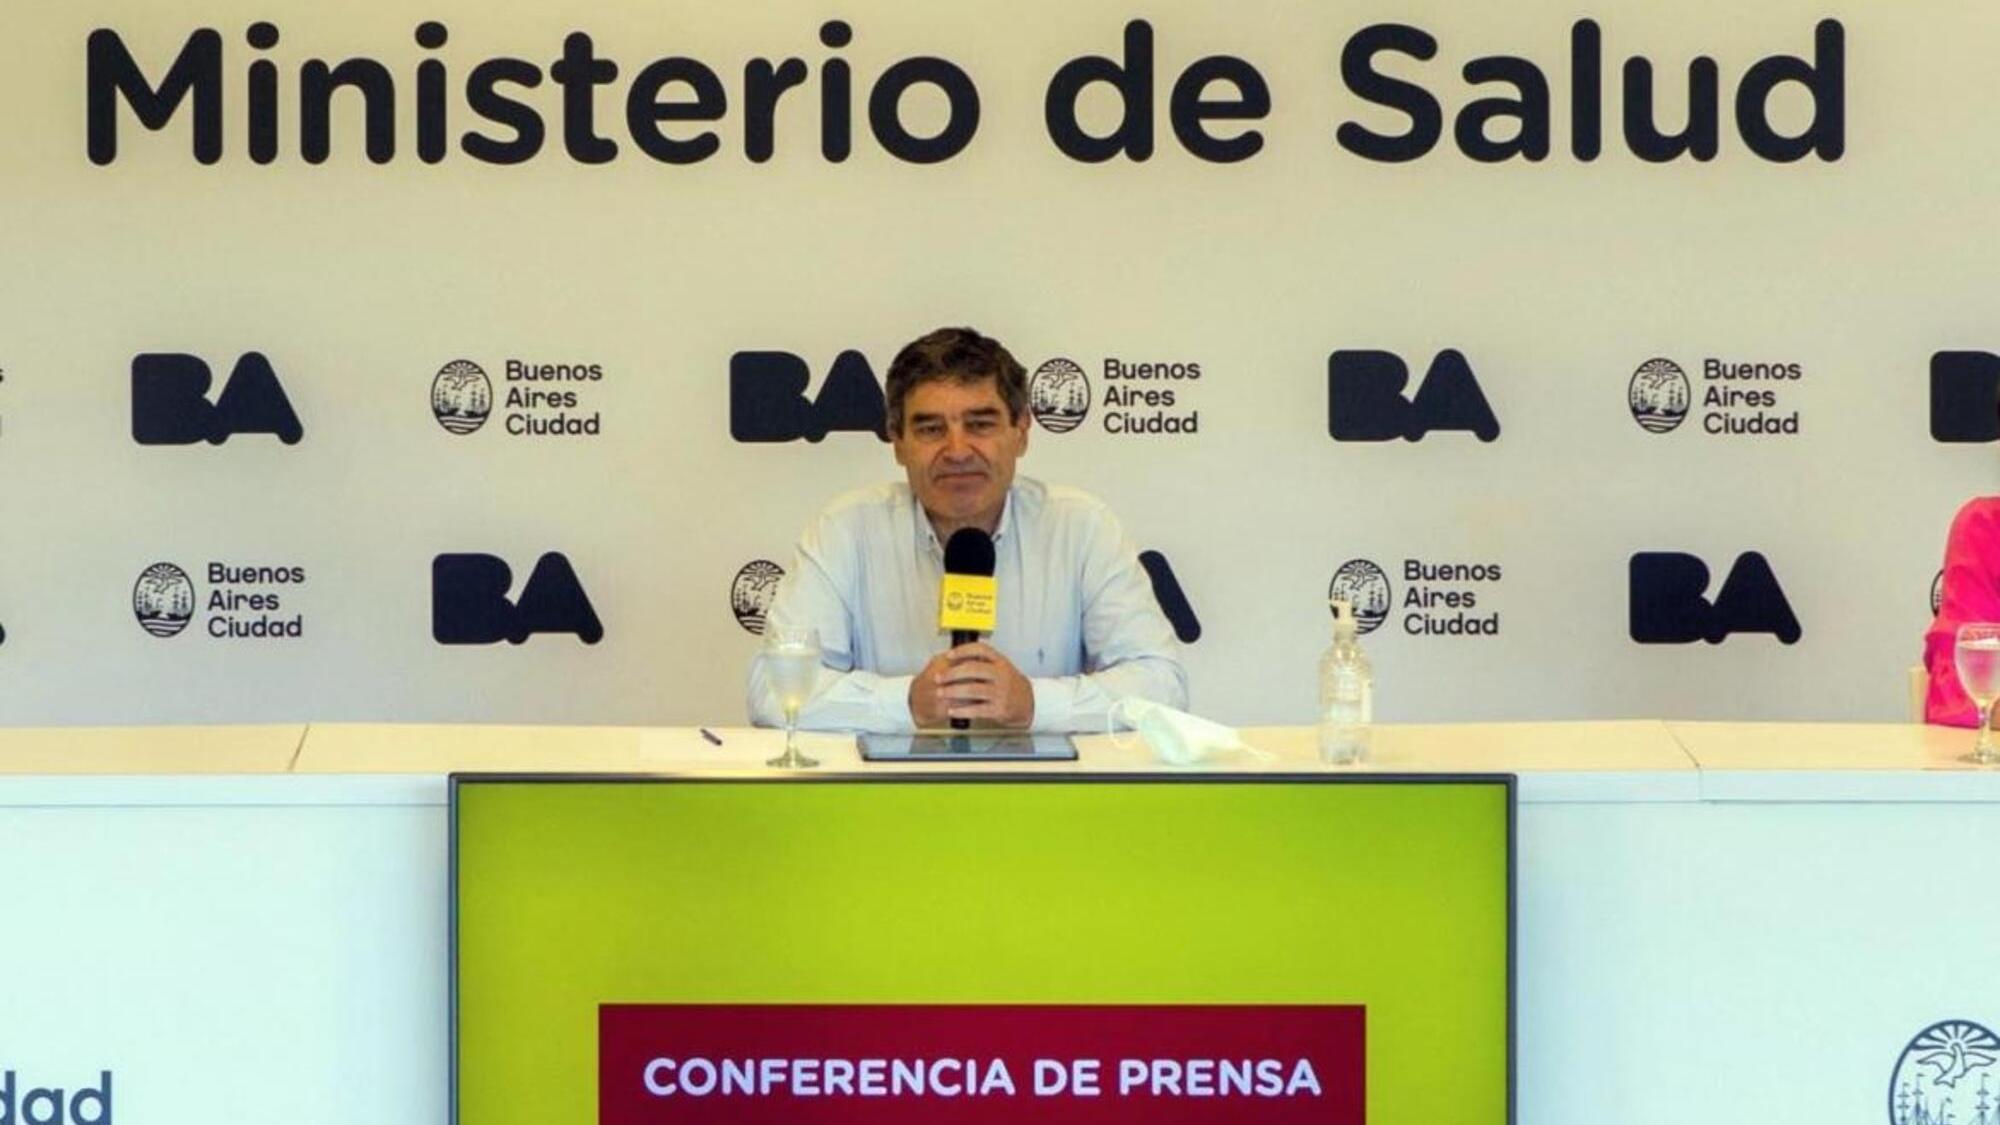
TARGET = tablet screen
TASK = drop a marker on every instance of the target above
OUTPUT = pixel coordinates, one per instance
(968, 746)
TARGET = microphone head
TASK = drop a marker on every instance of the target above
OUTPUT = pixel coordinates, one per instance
(967, 595)
(969, 551)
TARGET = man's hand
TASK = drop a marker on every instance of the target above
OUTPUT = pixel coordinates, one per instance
(972, 682)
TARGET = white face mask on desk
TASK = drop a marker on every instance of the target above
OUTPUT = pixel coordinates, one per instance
(1176, 737)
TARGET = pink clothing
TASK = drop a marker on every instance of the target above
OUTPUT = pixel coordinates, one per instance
(1971, 593)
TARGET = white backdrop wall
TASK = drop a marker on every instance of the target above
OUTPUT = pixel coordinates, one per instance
(1556, 280)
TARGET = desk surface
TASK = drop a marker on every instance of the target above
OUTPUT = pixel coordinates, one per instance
(1639, 760)
(1823, 746)
(1638, 746)
(132, 751)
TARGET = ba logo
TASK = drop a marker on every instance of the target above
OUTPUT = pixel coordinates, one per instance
(170, 401)
(1363, 585)
(1670, 603)
(163, 599)
(1937, 593)
(750, 595)
(1965, 396)
(461, 396)
(1946, 1074)
(1365, 398)
(469, 603)
(1659, 395)
(767, 398)
(1059, 395)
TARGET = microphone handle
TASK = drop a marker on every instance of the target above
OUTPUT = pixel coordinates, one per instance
(962, 637)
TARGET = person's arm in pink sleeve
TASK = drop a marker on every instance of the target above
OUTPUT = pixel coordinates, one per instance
(1971, 593)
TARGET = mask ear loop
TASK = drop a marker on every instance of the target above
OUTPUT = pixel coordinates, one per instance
(1261, 757)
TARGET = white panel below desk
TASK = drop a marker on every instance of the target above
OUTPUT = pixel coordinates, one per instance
(1691, 947)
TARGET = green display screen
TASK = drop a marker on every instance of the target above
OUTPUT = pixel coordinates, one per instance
(1385, 900)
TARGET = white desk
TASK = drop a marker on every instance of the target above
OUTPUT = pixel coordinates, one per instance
(1717, 922)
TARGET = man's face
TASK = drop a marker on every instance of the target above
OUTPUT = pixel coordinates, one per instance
(959, 450)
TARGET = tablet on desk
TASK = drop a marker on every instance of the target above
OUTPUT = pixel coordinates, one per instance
(968, 746)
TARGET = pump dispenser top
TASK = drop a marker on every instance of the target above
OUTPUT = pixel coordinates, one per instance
(1343, 620)
(1346, 692)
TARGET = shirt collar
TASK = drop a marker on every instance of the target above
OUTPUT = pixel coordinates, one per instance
(927, 535)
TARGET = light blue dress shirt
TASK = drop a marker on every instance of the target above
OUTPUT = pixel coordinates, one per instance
(1076, 611)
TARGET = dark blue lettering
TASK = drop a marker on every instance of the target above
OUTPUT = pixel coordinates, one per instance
(169, 406)
(1132, 78)
(1188, 108)
(254, 402)
(111, 73)
(1365, 398)
(469, 603)
(1825, 79)
(317, 83)
(482, 94)
(1965, 396)
(961, 117)
(1669, 603)
(1357, 69)
(767, 398)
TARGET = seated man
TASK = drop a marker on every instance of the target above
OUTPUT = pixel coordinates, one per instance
(1078, 626)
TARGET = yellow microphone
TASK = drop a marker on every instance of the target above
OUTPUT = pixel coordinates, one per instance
(968, 595)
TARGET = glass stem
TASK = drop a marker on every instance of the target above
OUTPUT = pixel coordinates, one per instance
(791, 730)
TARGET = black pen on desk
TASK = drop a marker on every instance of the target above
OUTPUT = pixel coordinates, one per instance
(710, 735)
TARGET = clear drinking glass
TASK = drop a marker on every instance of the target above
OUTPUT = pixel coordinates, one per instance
(791, 666)
(1977, 656)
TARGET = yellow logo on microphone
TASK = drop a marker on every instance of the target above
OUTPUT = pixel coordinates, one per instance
(966, 601)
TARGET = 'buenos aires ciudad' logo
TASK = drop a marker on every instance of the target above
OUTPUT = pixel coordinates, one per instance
(163, 599)
(242, 603)
(1659, 395)
(1363, 585)
(1059, 395)
(461, 396)
(751, 593)
(1746, 399)
(1439, 597)
(1147, 398)
(537, 399)
(1946, 1076)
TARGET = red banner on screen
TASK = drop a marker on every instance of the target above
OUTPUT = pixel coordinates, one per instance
(899, 1064)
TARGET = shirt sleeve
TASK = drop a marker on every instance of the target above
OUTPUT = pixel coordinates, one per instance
(811, 594)
(1129, 648)
(1971, 593)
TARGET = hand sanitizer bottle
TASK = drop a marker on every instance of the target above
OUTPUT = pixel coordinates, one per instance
(1346, 694)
